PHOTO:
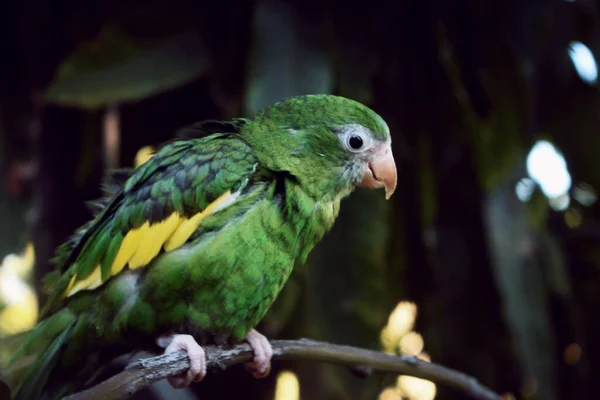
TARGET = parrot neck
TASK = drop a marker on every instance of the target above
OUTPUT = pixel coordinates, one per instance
(311, 218)
(316, 171)
(272, 146)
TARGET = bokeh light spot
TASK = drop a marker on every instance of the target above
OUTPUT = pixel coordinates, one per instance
(411, 344)
(524, 189)
(548, 168)
(416, 388)
(572, 354)
(584, 62)
(573, 218)
(584, 194)
(287, 387)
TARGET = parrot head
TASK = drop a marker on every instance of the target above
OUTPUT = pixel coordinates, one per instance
(330, 144)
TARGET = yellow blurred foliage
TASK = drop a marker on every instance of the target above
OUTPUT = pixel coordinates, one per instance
(19, 317)
(398, 337)
(20, 265)
(287, 387)
(20, 303)
(390, 393)
(400, 322)
(416, 388)
(411, 344)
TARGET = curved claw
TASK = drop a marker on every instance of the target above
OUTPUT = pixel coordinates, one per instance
(260, 366)
(197, 357)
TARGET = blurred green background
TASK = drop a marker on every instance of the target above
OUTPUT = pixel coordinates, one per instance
(485, 260)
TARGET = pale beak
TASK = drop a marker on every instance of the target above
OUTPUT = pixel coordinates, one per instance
(381, 172)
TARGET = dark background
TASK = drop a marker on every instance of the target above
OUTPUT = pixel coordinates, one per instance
(503, 288)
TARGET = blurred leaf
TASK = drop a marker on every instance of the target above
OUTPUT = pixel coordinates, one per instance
(522, 280)
(115, 68)
(554, 265)
(287, 59)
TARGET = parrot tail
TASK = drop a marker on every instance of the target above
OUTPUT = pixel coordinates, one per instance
(30, 367)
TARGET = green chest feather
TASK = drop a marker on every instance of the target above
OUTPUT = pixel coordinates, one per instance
(219, 285)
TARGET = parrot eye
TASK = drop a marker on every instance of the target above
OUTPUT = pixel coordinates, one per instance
(356, 138)
(355, 142)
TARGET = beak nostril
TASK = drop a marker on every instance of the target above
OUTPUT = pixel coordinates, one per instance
(373, 172)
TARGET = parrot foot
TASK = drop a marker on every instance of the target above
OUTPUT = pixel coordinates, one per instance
(260, 366)
(197, 357)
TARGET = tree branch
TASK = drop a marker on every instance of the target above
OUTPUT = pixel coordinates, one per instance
(146, 371)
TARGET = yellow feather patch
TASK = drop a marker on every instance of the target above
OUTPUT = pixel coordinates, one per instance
(91, 282)
(128, 247)
(141, 245)
(152, 240)
(183, 232)
(188, 226)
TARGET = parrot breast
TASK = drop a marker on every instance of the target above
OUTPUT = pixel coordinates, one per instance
(219, 286)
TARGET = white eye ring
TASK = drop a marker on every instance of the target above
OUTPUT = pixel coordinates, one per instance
(356, 138)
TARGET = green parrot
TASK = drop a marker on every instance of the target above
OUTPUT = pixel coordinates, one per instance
(194, 245)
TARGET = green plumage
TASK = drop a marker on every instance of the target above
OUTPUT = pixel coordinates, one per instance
(286, 172)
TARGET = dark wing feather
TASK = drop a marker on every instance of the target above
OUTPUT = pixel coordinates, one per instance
(179, 181)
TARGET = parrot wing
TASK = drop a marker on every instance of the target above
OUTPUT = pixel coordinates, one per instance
(156, 210)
